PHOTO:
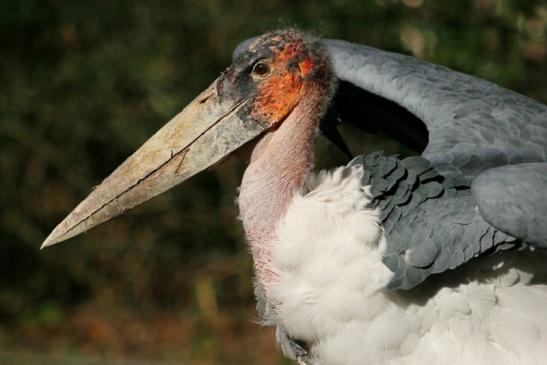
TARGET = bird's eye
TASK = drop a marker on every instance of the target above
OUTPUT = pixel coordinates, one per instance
(261, 69)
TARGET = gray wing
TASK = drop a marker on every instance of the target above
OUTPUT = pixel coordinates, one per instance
(514, 200)
(479, 134)
(473, 124)
(430, 225)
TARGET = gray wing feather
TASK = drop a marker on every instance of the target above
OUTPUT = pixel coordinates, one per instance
(430, 226)
(514, 200)
(473, 124)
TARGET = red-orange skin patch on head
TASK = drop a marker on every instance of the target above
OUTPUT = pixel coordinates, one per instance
(306, 66)
(281, 90)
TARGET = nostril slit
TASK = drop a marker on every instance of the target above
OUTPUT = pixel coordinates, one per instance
(207, 97)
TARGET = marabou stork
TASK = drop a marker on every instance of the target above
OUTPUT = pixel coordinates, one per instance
(430, 259)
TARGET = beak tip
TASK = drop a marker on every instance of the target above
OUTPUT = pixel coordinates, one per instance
(49, 241)
(53, 238)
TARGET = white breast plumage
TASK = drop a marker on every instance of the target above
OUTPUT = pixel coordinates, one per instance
(330, 292)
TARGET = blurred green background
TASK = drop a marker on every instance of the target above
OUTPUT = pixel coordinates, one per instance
(83, 84)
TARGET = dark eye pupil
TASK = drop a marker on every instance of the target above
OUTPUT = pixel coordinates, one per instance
(261, 69)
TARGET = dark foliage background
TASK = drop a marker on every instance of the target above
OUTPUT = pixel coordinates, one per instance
(82, 84)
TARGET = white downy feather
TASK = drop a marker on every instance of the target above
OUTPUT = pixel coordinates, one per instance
(330, 291)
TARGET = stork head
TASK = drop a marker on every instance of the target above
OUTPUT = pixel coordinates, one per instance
(276, 70)
(250, 99)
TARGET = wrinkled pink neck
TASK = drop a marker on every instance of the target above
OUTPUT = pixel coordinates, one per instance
(279, 164)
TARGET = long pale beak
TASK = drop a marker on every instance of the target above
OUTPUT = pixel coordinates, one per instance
(207, 130)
